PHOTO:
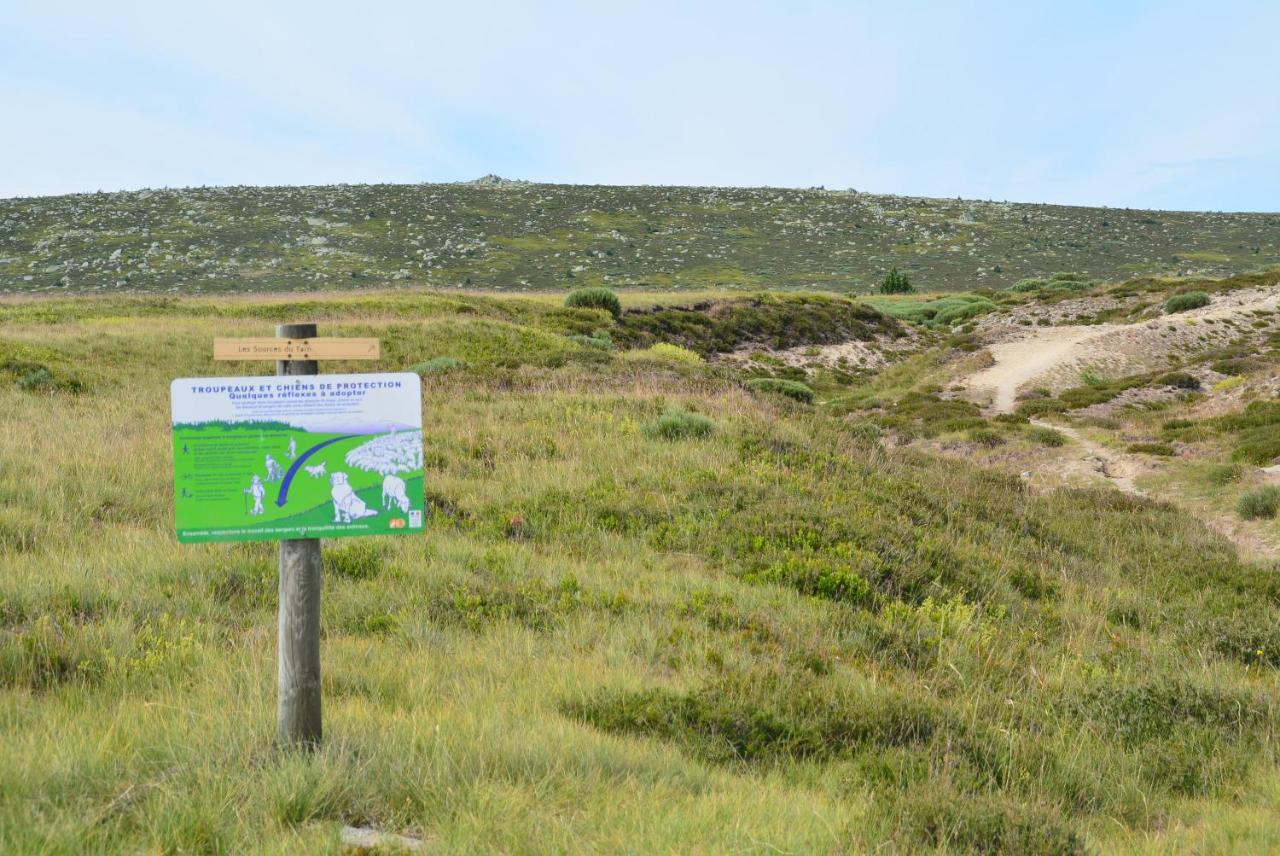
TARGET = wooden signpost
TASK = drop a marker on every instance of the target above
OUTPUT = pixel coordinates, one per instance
(299, 346)
(341, 462)
(298, 642)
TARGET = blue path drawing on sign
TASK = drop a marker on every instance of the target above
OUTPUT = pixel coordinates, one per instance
(288, 477)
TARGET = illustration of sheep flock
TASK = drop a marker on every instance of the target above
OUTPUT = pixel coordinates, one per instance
(387, 455)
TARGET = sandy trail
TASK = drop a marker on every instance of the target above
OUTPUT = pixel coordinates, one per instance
(1019, 362)
(1043, 352)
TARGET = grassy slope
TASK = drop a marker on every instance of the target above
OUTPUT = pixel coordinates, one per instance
(782, 636)
(558, 236)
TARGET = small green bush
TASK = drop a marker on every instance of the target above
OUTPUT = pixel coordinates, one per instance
(1046, 436)
(595, 298)
(955, 314)
(1186, 300)
(986, 437)
(1030, 284)
(1040, 406)
(678, 424)
(1238, 366)
(1259, 447)
(1223, 474)
(438, 365)
(38, 380)
(896, 282)
(1260, 503)
(793, 389)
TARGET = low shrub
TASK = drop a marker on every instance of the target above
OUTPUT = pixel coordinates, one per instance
(1259, 447)
(792, 389)
(1179, 380)
(595, 298)
(1260, 503)
(438, 365)
(955, 314)
(678, 424)
(1046, 436)
(1030, 284)
(1186, 300)
(1040, 407)
(39, 380)
(1223, 474)
(1238, 366)
(959, 823)
(986, 437)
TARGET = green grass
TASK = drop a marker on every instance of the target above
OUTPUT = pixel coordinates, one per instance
(783, 634)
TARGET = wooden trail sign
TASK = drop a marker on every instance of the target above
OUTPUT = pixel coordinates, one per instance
(308, 348)
(290, 459)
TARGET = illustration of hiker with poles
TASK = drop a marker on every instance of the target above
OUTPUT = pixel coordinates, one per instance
(257, 491)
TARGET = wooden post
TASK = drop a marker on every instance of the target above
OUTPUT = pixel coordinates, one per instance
(298, 710)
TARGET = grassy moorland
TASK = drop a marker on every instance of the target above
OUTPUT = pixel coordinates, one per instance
(659, 607)
(516, 236)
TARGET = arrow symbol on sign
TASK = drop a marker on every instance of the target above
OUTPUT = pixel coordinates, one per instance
(288, 477)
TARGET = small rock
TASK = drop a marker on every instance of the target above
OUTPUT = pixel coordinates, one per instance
(367, 838)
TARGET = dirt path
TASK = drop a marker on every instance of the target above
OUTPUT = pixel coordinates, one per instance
(1119, 468)
(1053, 354)
(1021, 361)
(1122, 470)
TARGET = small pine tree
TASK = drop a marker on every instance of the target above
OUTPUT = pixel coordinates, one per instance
(896, 282)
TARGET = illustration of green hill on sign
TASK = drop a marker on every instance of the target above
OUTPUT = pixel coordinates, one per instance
(272, 458)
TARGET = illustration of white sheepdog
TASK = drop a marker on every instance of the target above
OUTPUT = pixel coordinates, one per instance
(316, 471)
(393, 493)
(347, 506)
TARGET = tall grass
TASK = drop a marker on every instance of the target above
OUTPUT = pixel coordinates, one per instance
(783, 636)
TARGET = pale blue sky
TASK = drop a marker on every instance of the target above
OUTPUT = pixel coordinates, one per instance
(1125, 103)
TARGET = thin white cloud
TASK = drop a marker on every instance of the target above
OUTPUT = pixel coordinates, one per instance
(995, 99)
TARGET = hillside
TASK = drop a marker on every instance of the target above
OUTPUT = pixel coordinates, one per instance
(518, 236)
(755, 572)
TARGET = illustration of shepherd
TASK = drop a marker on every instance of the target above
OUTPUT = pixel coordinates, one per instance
(257, 491)
(274, 473)
(293, 449)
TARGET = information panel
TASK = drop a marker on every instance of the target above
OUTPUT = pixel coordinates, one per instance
(300, 456)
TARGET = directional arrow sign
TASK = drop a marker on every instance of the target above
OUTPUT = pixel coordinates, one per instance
(297, 349)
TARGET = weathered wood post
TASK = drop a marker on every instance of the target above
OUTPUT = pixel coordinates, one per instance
(298, 709)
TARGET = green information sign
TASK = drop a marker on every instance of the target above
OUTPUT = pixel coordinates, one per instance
(303, 456)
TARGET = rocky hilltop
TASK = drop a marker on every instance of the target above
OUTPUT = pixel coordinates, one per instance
(504, 234)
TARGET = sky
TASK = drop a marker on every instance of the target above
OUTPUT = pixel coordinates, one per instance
(1124, 103)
